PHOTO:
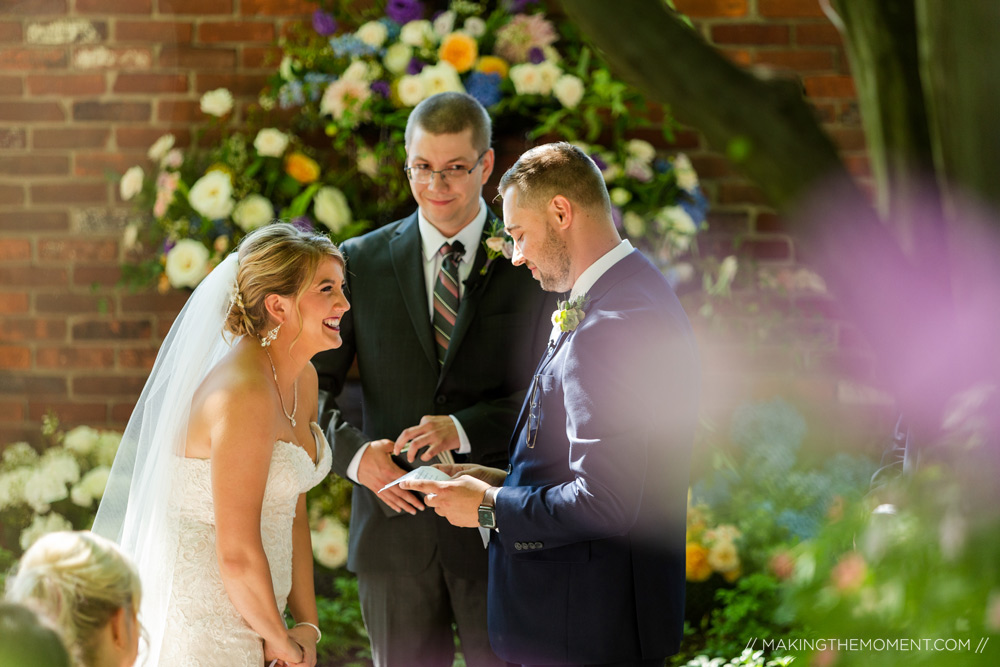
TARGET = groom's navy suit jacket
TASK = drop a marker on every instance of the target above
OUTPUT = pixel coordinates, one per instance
(588, 563)
(500, 330)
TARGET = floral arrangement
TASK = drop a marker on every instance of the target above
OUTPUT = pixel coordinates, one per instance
(58, 489)
(711, 550)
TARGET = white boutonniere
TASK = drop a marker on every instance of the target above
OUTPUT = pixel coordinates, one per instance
(569, 313)
(497, 244)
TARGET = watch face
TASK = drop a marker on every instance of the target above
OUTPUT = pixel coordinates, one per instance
(487, 517)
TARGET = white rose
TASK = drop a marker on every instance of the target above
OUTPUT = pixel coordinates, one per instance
(187, 263)
(568, 89)
(130, 237)
(90, 487)
(620, 196)
(372, 33)
(217, 102)
(43, 524)
(212, 195)
(444, 23)
(548, 74)
(329, 542)
(641, 150)
(367, 163)
(397, 57)
(441, 78)
(331, 208)
(687, 178)
(526, 79)
(253, 212)
(160, 147)
(475, 26)
(634, 224)
(356, 71)
(271, 142)
(411, 90)
(131, 183)
(723, 557)
(82, 440)
(418, 33)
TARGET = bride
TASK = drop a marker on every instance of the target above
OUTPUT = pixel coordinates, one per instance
(207, 493)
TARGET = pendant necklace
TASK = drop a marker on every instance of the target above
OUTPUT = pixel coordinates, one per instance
(281, 401)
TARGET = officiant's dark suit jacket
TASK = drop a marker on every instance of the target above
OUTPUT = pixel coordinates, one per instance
(500, 330)
(588, 563)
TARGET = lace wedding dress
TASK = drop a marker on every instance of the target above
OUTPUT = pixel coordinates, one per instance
(203, 628)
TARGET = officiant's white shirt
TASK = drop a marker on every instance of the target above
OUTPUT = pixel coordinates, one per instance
(431, 241)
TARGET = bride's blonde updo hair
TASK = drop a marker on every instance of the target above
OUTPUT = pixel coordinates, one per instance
(79, 580)
(277, 259)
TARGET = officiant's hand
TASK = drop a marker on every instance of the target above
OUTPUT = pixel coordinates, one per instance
(376, 469)
(457, 500)
(492, 476)
(435, 433)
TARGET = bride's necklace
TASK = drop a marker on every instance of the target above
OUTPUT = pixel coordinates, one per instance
(281, 401)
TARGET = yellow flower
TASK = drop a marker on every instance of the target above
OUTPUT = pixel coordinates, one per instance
(696, 566)
(302, 168)
(221, 167)
(491, 64)
(460, 50)
(732, 575)
(723, 557)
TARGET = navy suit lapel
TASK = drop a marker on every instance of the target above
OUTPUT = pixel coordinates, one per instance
(407, 262)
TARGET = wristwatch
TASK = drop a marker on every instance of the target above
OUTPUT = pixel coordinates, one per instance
(487, 509)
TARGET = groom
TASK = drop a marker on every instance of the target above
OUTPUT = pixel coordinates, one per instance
(432, 323)
(587, 543)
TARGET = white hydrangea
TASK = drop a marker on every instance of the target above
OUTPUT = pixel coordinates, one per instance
(82, 440)
(441, 78)
(90, 487)
(411, 90)
(419, 34)
(331, 208)
(271, 142)
(12, 485)
(187, 263)
(212, 195)
(161, 147)
(568, 89)
(48, 483)
(131, 183)
(641, 150)
(373, 33)
(676, 219)
(19, 454)
(217, 102)
(397, 57)
(43, 524)
(329, 542)
(252, 212)
(475, 26)
(687, 178)
(107, 447)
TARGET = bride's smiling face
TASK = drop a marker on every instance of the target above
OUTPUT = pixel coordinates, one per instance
(321, 307)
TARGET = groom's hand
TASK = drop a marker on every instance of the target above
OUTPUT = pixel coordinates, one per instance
(457, 500)
(492, 476)
(376, 469)
(436, 433)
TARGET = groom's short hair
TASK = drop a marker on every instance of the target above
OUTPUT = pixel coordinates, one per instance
(557, 169)
(451, 113)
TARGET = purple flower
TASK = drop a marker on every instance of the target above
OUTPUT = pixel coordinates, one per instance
(416, 66)
(536, 56)
(517, 6)
(381, 87)
(485, 87)
(601, 164)
(404, 11)
(168, 245)
(324, 23)
(304, 222)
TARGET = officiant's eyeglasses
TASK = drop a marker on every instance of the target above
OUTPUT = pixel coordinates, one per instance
(453, 174)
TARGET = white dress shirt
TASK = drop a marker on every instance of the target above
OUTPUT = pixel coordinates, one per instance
(431, 241)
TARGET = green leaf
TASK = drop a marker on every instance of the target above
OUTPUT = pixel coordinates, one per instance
(301, 202)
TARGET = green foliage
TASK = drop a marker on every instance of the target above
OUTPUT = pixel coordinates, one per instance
(345, 641)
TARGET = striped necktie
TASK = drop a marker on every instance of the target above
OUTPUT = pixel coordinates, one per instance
(446, 297)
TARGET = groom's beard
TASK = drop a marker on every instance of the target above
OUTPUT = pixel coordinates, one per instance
(554, 277)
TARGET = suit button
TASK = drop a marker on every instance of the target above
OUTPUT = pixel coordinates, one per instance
(441, 400)
(537, 545)
(518, 546)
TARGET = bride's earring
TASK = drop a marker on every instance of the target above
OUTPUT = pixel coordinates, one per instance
(271, 336)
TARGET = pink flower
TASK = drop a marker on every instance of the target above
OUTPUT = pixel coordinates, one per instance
(524, 33)
(166, 185)
(849, 573)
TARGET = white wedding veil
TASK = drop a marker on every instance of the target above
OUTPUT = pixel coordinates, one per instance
(136, 509)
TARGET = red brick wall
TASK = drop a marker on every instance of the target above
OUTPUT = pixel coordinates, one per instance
(87, 85)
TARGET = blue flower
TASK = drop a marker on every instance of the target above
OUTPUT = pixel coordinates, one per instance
(404, 11)
(324, 23)
(291, 95)
(392, 28)
(350, 46)
(485, 87)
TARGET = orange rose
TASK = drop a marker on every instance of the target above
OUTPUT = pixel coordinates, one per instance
(696, 562)
(460, 50)
(492, 64)
(302, 168)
